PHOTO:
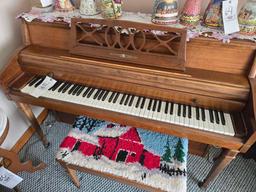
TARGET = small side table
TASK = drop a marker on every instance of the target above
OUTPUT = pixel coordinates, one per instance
(14, 164)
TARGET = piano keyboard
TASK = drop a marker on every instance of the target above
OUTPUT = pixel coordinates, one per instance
(169, 112)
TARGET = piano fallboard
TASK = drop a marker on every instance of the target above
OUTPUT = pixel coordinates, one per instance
(194, 87)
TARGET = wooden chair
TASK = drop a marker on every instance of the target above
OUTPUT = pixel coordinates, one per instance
(11, 160)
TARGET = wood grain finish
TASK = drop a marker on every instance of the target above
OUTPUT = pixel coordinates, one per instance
(161, 127)
(26, 109)
(224, 159)
(207, 89)
(111, 176)
(29, 132)
(216, 77)
(202, 53)
(130, 42)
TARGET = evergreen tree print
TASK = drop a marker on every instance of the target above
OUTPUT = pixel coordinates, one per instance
(168, 153)
(86, 123)
(179, 153)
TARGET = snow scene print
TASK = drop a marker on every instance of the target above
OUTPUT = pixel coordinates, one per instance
(147, 157)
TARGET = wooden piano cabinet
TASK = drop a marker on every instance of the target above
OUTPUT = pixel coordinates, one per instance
(216, 77)
(202, 53)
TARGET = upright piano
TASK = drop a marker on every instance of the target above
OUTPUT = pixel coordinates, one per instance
(141, 75)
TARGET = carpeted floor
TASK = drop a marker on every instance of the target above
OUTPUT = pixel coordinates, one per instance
(240, 176)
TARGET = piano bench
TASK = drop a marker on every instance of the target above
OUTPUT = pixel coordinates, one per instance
(134, 156)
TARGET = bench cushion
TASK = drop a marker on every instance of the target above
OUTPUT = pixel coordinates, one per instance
(149, 158)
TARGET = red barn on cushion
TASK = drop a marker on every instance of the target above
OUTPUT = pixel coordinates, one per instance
(120, 144)
(123, 144)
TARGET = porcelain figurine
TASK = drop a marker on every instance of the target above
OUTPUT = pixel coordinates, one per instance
(247, 18)
(191, 12)
(111, 9)
(165, 11)
(213, 14)
(88, 7)
(64, 5)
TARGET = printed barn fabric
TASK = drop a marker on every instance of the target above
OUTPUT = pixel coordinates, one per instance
(147, 157)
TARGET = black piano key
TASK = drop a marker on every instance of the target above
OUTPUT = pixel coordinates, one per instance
(127, 99)
(96, 94)
(203, 114)
(101, 94)
(189, 112)
(150, 104)
(111, 97)
(39, 82)
(197, 113)
(131, 101)
(222, 118)
(184, 114)
(138, 102)
(72, 89)
(211, 116)
(33, 81)
(166, 107)
(179, 110)
(217, 119)
(57, 84)
(143, 103)
(105, 96)
(76, 89)
(62, 87)
(90, 93)
(80, 91)
(154, 105)
(116, 97)
(86, 91)
(171, 109)
(159, 106)
(66, 87)
(123, 99)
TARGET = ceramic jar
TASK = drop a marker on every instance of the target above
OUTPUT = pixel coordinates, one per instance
(165, 11)
(191, 12)
(88, 7)
(247, 18)
(111, 9)
(213, 14)
(63, 5)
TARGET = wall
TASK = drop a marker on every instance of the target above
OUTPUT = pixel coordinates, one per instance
(146, 5)
(10, 39)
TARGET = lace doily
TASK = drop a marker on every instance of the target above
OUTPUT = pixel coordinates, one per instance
(194, 32)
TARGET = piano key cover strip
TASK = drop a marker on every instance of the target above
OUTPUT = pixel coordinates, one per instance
(193, 32)
(149, 158)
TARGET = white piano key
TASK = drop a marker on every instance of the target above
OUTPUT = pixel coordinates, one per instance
(192, 122)
(132, 108)
(229, 124)
(160, 114)
(145, 109)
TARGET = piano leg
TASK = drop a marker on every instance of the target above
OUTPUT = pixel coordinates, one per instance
(220, 163)
(26, 109)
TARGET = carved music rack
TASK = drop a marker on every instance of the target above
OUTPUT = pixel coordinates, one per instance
(145, 44)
